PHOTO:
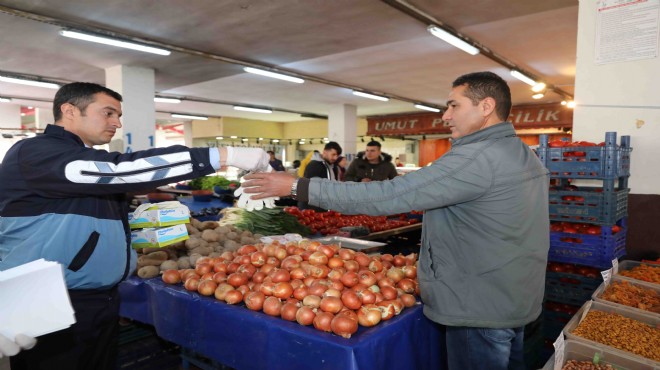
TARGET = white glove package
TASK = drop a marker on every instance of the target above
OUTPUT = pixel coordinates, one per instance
(244, 201)
(10, 348)
(249, 159)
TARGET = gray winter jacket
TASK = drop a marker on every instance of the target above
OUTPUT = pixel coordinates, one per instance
(485, 234)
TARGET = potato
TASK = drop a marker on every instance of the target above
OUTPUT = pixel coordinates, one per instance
(193, 242)
(223, 229)
(208, 225)
(148, 272)
(257, 236)
(193, 258)
(192, 230)
(210, 235)
(219, 248)
(215, 254)
(232, 235)
(152, 259)
(231, 245)
(246, 240)
(183, 263)
(169, 265)
(204, 251)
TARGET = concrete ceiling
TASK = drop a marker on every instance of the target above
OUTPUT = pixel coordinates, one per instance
(362, 43)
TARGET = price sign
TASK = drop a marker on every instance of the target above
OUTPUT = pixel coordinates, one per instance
(559, 351)
(607, 275)
(615, 266)
(587, 307)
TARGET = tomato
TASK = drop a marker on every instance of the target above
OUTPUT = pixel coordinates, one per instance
(557, 144)
(593, 230)
(616, 229)
(568, 198)
(570, 230)
(555, 267)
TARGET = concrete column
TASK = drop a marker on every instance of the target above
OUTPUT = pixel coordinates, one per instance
(188, 134)
(342, 128)
(137, 86)
(43, 117)
(10, 115)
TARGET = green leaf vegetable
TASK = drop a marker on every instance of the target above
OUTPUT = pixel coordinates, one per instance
(208, 182)
(268, 221)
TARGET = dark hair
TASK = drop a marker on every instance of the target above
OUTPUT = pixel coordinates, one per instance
(79, 94)
(482, 85)
(296, 163)
(271, 152)
(333, 145)
(373, 143)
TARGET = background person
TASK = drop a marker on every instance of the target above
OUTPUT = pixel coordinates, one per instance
(485, 234)
(341, 166)
(322, 165)
(64, 201)
(371, 165)
(274, 162)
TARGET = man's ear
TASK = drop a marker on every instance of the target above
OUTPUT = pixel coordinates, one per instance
(68, 110)
(488, 106)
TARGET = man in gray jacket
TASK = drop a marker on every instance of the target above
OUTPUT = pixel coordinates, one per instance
(485, 234)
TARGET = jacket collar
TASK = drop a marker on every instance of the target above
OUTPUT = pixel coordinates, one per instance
(59, 131)
(497, 131)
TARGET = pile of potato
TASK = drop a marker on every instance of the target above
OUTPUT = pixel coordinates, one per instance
(206, 239)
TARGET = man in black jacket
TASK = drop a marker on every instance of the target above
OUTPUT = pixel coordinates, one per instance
(371, 165)
(323, 166)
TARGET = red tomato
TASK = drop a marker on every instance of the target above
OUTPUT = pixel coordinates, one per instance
(616, 229)
(593, 230)
(557, 144)
(570, 230)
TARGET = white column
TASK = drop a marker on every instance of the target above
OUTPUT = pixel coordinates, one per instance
(43, 117)
(10, 116)
(621, 97)
(342, 127)
(188, 134)
(137, 87)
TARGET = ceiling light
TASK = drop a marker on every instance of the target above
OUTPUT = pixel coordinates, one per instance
(538, 87)
(160, 99)
(5, 100)
(30, 107)
(244, 139)
(301, 142)
(276, 141)
(249, 109)
(22, 114)
(21, 81)
(219, 138)
(233, 137)
(571, 104)
(370, 96)
(279, 76)
(261, 138)
(188, 116)
(425, 107)
(453, 40)
(325, 138)
(563, 102)
(302, 139)
(538, 95)
(113, 42)
(524, 78)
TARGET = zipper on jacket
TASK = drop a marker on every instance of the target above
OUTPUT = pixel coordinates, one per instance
(85, 252)
(136, 172)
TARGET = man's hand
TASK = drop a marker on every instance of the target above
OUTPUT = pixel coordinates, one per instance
(10, 348)
(265, 185)
(249, 159)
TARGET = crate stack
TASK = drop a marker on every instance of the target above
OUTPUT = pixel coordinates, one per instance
(588, 222)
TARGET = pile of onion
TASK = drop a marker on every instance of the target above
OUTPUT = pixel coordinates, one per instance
(332, 288)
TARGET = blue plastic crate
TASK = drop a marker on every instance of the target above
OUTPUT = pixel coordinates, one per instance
(589, 250)
(572, 289)
(554, 321)
(589, 204)
(587, 162)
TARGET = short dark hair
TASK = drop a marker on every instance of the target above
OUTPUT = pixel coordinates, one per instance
(333, 145)
(79, 94)
(482, 85)
(373, 143)
(271, 152)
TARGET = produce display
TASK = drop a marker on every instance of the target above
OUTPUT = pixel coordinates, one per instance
(268, 221)
(585, 365)
(206, 239)
(208, 182)
(564, 144)
(329, 223)
(633, 295)
(620, 332)
(647, 273)
(569, 268)
(580, 228)
(332, 288)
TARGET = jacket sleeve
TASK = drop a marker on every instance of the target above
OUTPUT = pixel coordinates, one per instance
(351, 172)
(66, 170)
(451, 179)
(392, 171)
(315, 169)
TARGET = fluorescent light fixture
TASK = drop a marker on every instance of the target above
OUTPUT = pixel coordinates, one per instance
(571, 104)
(453, 40)
(370, 96)
(48, 85)
(219, 138)
(276, 140)
(188, 116)
(244, 139)
(30, 107)
(113, 42)
(5, 100)
(325, 138)
(538, 87)
(279, 76)
(302, 139)
(524, 78)
(563, 102)
(233, 137)
(22, 114)
(425, 107)
(301, 142)
(538, 96)
(160, 99)
(261, 138)
(249, 109)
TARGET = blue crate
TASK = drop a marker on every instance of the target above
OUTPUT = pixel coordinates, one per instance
(595, 162)
(589, 204)
(589, 250)
(567, 288)
(555, 321)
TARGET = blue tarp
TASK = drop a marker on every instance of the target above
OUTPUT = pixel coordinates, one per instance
(244, 339)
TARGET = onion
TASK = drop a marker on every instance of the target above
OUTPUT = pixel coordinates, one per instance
(369, 315)
(308, 281)
(282, 290)
(349, 279)
(237, 279)
(220, 267)
(245, 289)
(367, 296)
(331, 304)
(318, 289)
(408, 300)
(351, 265)
(290, 249)
(346, 254)
(379, 297)
(191, 284)
(296, 283)
(312, 301)
(374, 288)
(232, 267)
(272, 306)
(288, 311)
(362, 259)
(344, 326)
(386, 310)
(336, 284)
(233, 297)
(242, 260)
(327, 250)
(335, 262)
(388, 292)
(305, 316)
(269, 250)
(407, 285)
(386, 282)
(294, 301)
(267, 288)
(301, 292)
(398, 306)
(254, 301)
(291, 262)
(411, 259)
(399, 260)
(280, 276)
(247, 269)
(258, 258)
(323, 320)
(203, 268)
(348, 313)
(221, 291)
(171, 277)
(207, 276)
(395, 274)
(367, 278)
(297, 273)
(306, 254)
(387, 257)
(267, 268)
(258, 277)
(246, 249)
(351, 300)
(273, 261)
(220, 277)
(359, 287)
(207, 287)
(280, 253)
(331, 292)
(387, 265)
(409, 271)
(375, 266)
(227, 255)
(336, 273)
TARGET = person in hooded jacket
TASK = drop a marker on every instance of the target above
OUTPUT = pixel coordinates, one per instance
(371, 165)
(323, 166)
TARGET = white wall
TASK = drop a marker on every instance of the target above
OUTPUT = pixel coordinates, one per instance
(617, 97)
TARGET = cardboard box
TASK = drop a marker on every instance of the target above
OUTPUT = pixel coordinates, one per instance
(156, 217)
(158, 238)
